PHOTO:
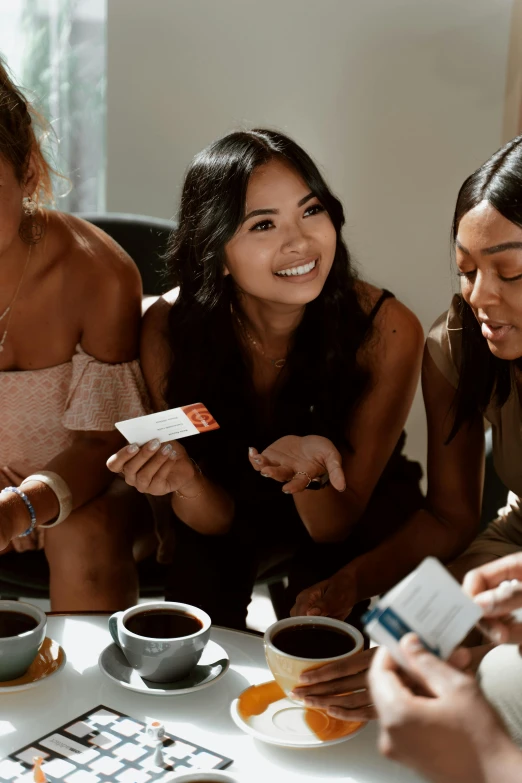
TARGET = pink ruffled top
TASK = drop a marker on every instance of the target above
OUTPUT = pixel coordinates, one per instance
(41, 409)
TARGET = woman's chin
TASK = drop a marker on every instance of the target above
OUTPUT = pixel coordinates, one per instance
(299, 294)
(507, 352)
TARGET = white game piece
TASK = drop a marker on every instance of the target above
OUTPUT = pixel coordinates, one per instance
(158, 759)
(156, 730)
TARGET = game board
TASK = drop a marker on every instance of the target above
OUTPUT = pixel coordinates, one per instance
(106, 746)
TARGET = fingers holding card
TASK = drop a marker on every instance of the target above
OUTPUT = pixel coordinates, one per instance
(154, 469)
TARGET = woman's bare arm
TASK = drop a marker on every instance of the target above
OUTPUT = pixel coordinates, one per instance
(394, 358)
(205, 506)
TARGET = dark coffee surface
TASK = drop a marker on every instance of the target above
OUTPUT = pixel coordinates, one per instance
(163, 624)
(313, 641)
(15, 623)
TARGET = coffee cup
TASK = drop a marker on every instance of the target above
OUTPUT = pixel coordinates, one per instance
(204, 777)
(296, 644)
(162, 640)
(22, 632)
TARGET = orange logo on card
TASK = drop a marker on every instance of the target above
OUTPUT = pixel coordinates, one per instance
(200, 417)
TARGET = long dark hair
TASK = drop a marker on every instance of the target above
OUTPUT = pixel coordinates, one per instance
(483, 377)
(321, 375)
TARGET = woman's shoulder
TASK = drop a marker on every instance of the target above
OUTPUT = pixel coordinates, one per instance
(156, 318)
(155, 353)
(444, 341)
(398, 331)
(91, 255)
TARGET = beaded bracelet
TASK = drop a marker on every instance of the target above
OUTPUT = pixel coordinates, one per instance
(30, 509)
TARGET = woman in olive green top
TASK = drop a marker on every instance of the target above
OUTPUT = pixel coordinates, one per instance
(472, 371)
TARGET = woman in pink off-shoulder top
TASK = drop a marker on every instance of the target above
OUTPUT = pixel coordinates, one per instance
(69, 323)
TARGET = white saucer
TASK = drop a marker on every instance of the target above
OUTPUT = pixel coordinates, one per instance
(284, 723)
(49, 661)
(212, 665)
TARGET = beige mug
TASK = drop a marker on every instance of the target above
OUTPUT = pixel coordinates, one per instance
(286, 669)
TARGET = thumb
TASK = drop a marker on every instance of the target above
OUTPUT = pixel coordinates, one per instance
(437, 676)
(12, 475)
(333, 465)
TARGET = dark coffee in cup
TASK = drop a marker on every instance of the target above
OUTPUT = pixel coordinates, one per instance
(313, 641)
(15, 624)
(163, 624)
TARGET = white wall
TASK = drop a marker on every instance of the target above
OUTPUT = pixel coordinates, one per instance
(399, 100)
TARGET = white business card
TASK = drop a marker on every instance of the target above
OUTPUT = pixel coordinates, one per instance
(431, 603)
(168, 425)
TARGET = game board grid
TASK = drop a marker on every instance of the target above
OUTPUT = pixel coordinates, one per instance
(105, 746)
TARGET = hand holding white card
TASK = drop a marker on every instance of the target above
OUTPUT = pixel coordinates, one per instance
(168, 425)
(429, 602)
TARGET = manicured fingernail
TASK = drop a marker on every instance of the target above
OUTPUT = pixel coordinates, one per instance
(133, 448)
(251, 450)
(486, 603)
(166, 449)
(287, 492)
(497, 635)
(258, 461)
(412, 643)
(154, 444)
(173, 455)
(265, 475)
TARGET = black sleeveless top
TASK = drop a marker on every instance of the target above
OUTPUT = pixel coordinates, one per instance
(223, 454)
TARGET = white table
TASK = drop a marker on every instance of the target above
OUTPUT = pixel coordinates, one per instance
(203, 717)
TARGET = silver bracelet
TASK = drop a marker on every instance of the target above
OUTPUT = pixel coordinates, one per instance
(60, 489)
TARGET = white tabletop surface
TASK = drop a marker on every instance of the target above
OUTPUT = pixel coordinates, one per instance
(203, 717)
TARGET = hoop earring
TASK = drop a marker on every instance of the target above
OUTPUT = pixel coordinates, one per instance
(31, 229)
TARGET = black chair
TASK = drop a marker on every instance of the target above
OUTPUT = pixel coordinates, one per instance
(144, 239)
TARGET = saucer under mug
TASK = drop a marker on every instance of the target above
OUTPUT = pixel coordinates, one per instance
(211, 667)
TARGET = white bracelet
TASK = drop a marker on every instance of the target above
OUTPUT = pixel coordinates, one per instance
(60, 489)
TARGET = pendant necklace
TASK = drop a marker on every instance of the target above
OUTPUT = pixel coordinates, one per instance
(9, 309)
(277, 363)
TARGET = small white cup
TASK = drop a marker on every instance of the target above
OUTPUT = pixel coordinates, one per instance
(18, 652)
(287, 669)
(161, 660)
(211, 777)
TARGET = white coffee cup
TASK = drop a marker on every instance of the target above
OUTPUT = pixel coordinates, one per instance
(19, 651)
(211, 777)
(165, 659)
(287, 669)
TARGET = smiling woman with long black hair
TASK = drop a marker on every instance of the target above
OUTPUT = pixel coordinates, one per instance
(309, 372)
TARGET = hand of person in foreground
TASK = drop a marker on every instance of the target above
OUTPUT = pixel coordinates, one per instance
(441, 726)
(497, 588)
(333, 597)
(14, 516)
(295, 460)
(340, 688)
(156, 469)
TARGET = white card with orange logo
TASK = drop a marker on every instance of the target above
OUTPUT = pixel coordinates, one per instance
(168, 425)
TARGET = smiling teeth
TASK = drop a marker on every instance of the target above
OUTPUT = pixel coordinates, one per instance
(298, 270)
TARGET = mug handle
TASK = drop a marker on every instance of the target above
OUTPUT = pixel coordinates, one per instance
(113, 627)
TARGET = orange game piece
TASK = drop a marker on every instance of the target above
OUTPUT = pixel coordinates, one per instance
(38, 773)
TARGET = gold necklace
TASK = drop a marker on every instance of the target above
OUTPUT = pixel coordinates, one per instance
(9, 310)
(278, 363)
